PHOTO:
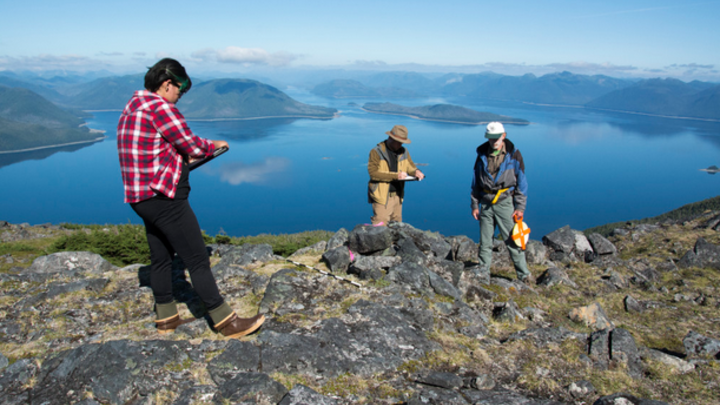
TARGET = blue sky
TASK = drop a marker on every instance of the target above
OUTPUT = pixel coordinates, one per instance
(629, 38)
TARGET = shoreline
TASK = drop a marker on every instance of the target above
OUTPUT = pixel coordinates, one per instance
(675, 117)
(444, 121)
(336, 115)
(98, 139)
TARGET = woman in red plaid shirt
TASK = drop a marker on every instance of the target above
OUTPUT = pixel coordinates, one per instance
(155, 146)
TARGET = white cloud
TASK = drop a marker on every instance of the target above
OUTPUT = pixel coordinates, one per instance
(690, 66)
(244, 56)
(51, 62)
(256, 173)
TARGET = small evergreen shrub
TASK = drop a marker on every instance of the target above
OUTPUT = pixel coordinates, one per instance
(121, 245)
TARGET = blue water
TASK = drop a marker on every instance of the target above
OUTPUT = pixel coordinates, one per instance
(584, 168)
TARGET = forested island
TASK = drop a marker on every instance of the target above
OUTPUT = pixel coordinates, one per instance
(442, 113)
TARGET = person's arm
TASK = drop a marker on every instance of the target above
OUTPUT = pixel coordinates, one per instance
(414, 171)
(374, 169)
(521, 188)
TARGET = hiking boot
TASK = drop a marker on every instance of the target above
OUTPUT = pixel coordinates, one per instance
(168, 325)
(234, 326)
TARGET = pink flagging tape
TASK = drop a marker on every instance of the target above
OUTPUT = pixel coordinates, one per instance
(352, 256)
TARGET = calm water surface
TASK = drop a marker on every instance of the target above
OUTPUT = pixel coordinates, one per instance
(584, 168)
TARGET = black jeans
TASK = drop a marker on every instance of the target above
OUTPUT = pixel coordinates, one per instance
(171, 226)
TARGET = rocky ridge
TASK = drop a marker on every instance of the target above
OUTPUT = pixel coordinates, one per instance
(628, 319)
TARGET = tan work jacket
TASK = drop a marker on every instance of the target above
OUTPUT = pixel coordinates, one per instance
(381, 176)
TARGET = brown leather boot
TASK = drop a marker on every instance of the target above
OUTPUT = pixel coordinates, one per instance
(168, 325)
(233, 326)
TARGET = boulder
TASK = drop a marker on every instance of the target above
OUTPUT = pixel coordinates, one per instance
(84, 262)
(411, 275)
(704, 254)
(463, 249)
(318, 247)
(340, 238)
(555, 276)
(582, 246)
(447, 269)
(369, 239)
(601, 245)
(674, 363)
(442, 286)
(373, 267)
(599, 348)
(285, 285)
(536, 253)
(624, 351)
(247, 254)
(699, 345)
(632, 305)
(561, 240)
(409, 252)
(337, 259)
(507, 312)
(592, 315)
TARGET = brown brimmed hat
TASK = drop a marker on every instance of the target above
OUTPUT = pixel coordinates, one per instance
(399, 133)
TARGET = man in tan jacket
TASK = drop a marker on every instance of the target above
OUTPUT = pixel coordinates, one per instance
(390, 166)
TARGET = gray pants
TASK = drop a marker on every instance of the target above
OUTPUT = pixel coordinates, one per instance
(500, 214)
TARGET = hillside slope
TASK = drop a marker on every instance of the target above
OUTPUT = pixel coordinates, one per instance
(241, 98)
(620, 320)
(27, 120)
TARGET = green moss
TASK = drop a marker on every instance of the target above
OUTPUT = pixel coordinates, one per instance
(176, 367)
(291, 380)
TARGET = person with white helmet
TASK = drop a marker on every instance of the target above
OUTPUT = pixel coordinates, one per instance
(499, 194)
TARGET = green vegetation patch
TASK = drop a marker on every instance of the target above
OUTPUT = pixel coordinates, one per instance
(282, 244)
(121, 245)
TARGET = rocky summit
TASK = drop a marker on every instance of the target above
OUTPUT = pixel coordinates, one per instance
(376, 315)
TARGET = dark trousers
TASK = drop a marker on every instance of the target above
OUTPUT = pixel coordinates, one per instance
(171, 227)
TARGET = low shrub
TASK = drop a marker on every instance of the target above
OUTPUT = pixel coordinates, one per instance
(121, 245)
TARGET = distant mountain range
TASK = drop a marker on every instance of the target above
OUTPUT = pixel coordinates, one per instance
(29, 102)
(669, 97)
(442, 113)
(28, 120)
(353, 88)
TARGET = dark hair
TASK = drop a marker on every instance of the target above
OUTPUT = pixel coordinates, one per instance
(167, 69)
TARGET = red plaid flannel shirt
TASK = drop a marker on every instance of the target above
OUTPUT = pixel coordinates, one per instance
(152, 138)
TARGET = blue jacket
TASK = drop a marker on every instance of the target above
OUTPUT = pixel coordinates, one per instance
(511, 175)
